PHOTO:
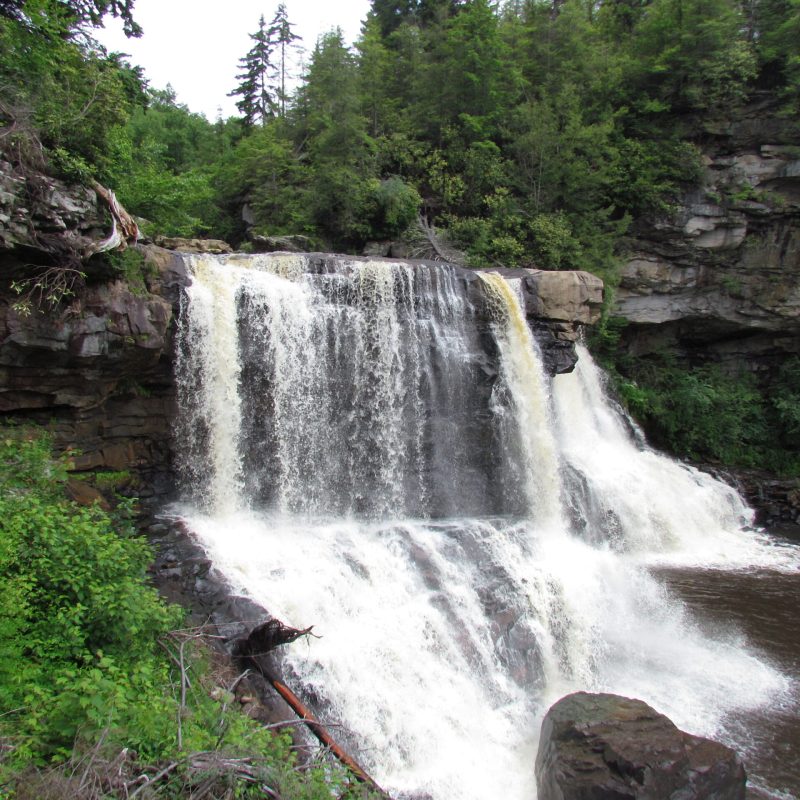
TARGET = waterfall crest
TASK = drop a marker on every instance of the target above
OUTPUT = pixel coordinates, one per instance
(376, 451)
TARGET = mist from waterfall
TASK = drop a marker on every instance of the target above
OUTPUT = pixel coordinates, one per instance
(377, 451)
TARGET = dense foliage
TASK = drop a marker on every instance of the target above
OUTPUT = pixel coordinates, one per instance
(85, 662)
(705, 413)
(532, 131)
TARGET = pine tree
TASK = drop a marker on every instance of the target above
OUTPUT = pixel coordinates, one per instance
(259, 101)
(281, 35)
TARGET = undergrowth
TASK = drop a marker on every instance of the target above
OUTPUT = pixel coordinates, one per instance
(704, 412)
(102, 694)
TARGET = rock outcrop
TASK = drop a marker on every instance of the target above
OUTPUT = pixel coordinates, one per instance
(182, 245)
(558, 305)
(718, 279)
(36, 210)
(607, 747)
(286, 244)
(97, 371)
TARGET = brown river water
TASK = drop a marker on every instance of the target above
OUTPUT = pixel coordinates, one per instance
(762, 605)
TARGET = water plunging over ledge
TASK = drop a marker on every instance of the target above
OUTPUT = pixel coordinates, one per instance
(377, 451)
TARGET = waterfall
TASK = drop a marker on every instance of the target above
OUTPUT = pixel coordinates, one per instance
(373, 448)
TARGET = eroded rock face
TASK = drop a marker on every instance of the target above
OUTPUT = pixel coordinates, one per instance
(36, 208)
(718, 280)
(557, 305)
(607, 747)
(98, 373)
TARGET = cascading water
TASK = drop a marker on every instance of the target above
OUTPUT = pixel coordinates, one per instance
(376, 451)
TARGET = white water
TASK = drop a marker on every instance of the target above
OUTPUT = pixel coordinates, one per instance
(446, 635)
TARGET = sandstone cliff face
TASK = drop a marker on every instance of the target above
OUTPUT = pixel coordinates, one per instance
(719, 279)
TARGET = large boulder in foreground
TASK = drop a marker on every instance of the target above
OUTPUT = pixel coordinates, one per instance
(607, 747)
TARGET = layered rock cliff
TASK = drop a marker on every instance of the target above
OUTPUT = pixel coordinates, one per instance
(718, 280)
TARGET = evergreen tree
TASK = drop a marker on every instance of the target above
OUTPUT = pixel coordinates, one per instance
(259, 101)
(333, 132)
(281, 35)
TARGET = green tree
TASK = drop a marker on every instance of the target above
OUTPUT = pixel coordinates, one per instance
(266, 174)
(689, 54)
(70, 14)
(259, 100)
(64, 96)
(281, 35)
(165, 167)
(332, 130)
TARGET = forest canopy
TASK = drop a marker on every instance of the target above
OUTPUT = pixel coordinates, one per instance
(531, 132)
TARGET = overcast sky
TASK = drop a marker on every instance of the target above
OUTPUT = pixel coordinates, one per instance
(196, 44)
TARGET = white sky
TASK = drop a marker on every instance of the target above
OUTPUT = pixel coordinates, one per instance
(195, 45)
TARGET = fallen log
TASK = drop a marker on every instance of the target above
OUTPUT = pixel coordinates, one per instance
(260, 641)
(322, 734)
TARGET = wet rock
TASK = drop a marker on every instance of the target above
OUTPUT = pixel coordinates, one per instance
(212, 246)
(607, 747)
(557, 306)
(776, 500)
(284, 244)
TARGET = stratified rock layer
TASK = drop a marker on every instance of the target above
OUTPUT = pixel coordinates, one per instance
(607, 747)
(98, 373)
(718, 280)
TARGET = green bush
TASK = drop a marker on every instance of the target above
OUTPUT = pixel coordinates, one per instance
(92, 668)
(397, 206)
(78, 622)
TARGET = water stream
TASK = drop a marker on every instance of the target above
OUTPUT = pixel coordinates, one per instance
(376, 450)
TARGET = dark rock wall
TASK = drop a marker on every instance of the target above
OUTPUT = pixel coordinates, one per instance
(718, 280)
(97, 371)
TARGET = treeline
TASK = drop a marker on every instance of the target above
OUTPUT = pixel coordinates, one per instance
(530, 131)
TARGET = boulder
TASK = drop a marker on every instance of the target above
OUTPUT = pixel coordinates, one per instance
(213, 246)
(282, 244)
(607, 747)
(568, 296)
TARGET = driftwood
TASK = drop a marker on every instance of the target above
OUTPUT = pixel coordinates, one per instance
(259, 642)
(441, 250)
(123, 227)
(318, 729)
(269, 635)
